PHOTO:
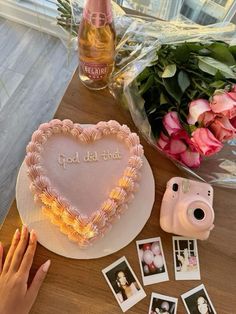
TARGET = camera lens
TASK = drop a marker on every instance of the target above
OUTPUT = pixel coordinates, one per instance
(175, 187)
(199, 213)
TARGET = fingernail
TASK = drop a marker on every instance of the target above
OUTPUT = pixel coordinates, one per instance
(32, 236)
(23, 230)
(17, 234)
(46, 266)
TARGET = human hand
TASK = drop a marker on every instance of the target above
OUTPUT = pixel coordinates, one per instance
(16, 296)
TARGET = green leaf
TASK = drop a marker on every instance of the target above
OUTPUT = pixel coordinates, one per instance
(144, 75)
(193, 94)
(232, 49)
(204, 52)
(172, 87)
(147, 85)
(219, 76)
(163, 99)
(183, 80)
(62, 10)
(194, 47)
(218, 84)
(221, 53)
(211, 66)
(182, 53)
(169, 71)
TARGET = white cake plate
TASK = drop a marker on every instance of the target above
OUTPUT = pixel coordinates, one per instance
(122, 233)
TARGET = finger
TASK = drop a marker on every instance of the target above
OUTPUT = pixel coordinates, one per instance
(20, 250)
(1, 257)
(37, 282)
(14, 243)
(29, 255)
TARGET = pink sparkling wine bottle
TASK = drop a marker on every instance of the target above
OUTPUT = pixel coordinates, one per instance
(96, 44)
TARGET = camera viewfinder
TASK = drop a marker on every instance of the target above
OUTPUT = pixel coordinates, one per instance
(175, 187)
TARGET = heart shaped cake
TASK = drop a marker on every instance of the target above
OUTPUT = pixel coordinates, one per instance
(84, 177)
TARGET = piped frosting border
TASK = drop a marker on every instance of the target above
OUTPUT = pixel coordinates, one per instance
(78, 228)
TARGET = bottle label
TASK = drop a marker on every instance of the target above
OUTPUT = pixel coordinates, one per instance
(95, 71)
(97, 19)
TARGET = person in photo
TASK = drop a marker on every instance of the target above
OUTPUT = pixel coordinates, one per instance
(162, 307)
(123, 283)
(126, 288)
(198, 302)
(202, 305)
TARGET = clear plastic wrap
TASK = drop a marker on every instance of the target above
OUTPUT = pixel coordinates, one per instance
(136, 50)
(138, 40)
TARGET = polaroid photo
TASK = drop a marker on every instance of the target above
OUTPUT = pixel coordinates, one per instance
(197, 301)
(123, 283)
(162, 304)
(186, 261)
(152, 261)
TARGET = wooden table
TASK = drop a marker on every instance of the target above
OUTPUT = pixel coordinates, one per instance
(78, 286)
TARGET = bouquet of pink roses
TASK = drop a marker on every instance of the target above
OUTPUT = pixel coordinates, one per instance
(209, 124)
(189, 117)
(179, 82)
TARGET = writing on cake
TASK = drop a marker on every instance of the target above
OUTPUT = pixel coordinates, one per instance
(93, 156)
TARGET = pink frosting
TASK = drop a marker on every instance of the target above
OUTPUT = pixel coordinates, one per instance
(86, 229)
(136, 162)
(123, 133)
(85, 136)
(132, 140)
(33, 148)
(114, 126)
(32, 158)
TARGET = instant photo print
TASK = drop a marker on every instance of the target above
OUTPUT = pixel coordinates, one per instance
(186, 261)
(197, 301)
(123, 284)
(152, 261)
(162, 304)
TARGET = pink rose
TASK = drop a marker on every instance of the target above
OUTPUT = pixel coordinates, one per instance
(163, 140)
(180, 147)
(205, 142)
(233, 122)
(197, 110)
(178, 143)
(223, 129)
(224, 103)
(190, 159)
(207, 117)
(171, 122)
(230, 114)
(176, 147)
(183, 135)
(233, 89)
(232, 94)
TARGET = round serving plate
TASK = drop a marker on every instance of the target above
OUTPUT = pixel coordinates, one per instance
(123, 231)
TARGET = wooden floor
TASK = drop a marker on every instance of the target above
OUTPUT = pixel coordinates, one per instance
(35, 70)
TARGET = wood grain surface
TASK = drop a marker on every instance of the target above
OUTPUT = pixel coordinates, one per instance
(35, 69)
(78, 286)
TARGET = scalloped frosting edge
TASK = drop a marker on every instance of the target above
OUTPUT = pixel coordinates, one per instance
(80, 229)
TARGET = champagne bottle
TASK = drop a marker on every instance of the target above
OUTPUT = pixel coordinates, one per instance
(96, 44)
